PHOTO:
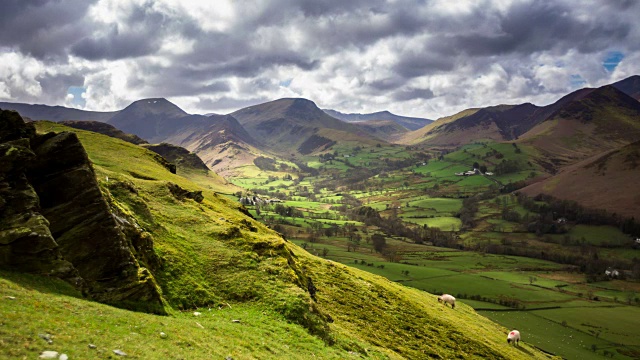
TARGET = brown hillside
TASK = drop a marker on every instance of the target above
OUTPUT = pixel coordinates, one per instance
(425, 133)
(284, 125)
(604, 119)
(384, 129)
(105, 129)
(606, 181)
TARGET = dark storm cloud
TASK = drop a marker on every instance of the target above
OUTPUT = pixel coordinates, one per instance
(541, 26)
(145, 30)
(116, 46)
(411, 94)
(56, 86)
(421, 64)
(391, 50)
(386, 84)
(42, 28)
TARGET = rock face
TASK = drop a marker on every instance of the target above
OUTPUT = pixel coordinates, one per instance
(55, 218)
(180, 156)
(26, 244)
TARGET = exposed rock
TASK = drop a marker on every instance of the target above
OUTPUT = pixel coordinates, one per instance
(163, 335)
(26, 244)
(47, 338)
(119, 352)
(82, 224)
(48, 354)
(91, 346)
(105, 129)
(55, 220)
(180, 156)
(63, 357)
(180, 193)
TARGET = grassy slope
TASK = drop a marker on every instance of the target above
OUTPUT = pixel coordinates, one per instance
(212, 258)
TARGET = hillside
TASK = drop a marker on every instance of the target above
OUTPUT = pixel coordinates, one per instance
(151, 119)
(56, 113)
(288, 125)
(219, 140)
(629, 86)
(603, 119)
(213, 256)
(410, 123)
(597, 182)
(423, 134)
(181, 157)
(383, 129)
(105, 129)
(495, 123)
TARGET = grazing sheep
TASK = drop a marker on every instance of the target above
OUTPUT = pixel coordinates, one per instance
(514, 336)
(447, 299)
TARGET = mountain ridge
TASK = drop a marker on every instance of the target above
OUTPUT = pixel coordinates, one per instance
(410, 123)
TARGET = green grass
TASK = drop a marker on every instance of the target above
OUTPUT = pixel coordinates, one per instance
(52, 307)
(549, 335)
(214, 256)
(443, 223)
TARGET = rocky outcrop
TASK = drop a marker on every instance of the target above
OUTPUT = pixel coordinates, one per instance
(59, 200)
(26, 244)
(183, 158)
(181, 194)
(105, 129)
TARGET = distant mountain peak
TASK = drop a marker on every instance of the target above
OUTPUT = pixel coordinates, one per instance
(157, 106)
(410, 123)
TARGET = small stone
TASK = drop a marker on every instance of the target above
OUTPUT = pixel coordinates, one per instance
(10, 297)
(91, 346)
(49, 354)
(235, 321)
(195, 313)
(47, 338)
(119, 352)
(63, 357)
(163, 335)
(228, 358)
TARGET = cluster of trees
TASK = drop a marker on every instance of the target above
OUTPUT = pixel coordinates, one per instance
(507, 166)
(550, 207)
(265, 163)
(288, 211)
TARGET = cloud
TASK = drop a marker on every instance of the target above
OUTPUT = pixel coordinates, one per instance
(413, 57)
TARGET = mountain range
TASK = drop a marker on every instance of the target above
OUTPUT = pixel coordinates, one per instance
(583, 124)
(410, 123)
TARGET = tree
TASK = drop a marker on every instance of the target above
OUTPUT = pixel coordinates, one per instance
(325, 252)
(379, 242)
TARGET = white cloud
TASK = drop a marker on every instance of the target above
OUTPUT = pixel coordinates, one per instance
(412, 57)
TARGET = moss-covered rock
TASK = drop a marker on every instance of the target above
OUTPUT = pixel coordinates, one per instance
(55, 220)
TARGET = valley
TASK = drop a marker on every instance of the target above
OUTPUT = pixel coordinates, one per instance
(523, 213)
(546, 293)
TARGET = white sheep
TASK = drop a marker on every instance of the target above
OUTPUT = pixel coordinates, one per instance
(514, 336)
(447, 299)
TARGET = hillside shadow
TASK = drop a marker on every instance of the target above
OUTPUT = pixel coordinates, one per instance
(40, 283)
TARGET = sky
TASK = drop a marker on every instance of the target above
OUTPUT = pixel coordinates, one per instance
(424, 58)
